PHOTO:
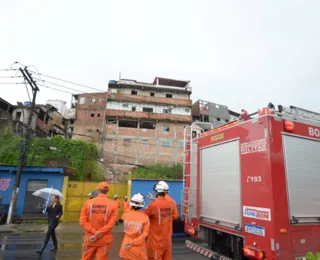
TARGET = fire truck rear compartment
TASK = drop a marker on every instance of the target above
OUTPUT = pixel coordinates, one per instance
(220, 197)
(220, 184)
(303, 178)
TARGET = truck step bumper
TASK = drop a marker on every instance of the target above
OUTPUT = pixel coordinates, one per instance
(202, 250)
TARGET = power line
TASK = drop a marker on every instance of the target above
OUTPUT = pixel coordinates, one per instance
(10, 77)
(44, 81)
(25, 83)
(70, 82)
(55, 89)
(8, 69)
(11, 83)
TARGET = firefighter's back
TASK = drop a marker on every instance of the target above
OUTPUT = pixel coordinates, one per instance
(160, 214)
(136, 228)
(98, 211)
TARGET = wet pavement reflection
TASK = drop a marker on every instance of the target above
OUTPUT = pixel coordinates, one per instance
(24, 246)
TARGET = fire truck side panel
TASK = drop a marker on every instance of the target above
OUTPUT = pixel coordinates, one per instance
(256, 182)
(296, 181)
(220, 181)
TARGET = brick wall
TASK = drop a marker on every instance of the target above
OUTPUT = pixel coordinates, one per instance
(146, 115)
(123, 148)
(159, 100)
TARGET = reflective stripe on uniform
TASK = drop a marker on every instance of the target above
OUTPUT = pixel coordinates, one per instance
(155, 255)
(159, 216)
(106, 215)
(90, 213)
(105, 249)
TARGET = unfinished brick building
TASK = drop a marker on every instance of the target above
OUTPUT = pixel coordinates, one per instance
(90, 111)
(144, 123)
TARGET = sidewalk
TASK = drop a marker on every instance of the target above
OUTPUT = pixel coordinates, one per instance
(65, 227)
(21, 228)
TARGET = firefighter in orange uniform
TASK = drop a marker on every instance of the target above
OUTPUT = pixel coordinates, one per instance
(136, 229)
(244, 115)
(126, 205)
(97, 218)
(117, 203)
(175, 213)
(160, 213)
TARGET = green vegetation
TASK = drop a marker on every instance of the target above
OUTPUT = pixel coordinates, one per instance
(159, 171)
(311, 256)
(80, 155)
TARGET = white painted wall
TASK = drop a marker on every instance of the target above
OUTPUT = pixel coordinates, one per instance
(24, 116)
(146, 93)
(184, 111)
(58, 104)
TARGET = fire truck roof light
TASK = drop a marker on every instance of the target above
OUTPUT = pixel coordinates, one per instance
(288, 125)
(283, 231)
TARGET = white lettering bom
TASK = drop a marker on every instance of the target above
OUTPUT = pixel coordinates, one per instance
(315, 132)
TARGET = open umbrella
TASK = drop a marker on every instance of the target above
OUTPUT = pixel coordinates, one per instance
(93, 194)
(46, 193)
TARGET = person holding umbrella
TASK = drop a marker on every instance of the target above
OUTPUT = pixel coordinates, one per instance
(55, 212)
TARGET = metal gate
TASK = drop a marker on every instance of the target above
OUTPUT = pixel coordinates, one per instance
(32, 203)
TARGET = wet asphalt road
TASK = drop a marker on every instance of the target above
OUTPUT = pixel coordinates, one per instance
(23, 246)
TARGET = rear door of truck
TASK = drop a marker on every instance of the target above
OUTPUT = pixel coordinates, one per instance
(296, 184)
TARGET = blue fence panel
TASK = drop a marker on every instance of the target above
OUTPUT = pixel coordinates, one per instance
(53, 175)
(146, 186)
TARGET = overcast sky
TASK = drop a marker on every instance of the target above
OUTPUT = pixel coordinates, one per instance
(242, 54)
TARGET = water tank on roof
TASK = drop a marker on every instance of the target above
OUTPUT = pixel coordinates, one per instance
(113, 82)
(27, 104)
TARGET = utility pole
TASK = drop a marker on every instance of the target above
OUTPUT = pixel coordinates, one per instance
(24, 146)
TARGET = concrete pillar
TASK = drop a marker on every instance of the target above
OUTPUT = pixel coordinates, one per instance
(176, 153)
(116, 147)
(156, 142)
(138, 143)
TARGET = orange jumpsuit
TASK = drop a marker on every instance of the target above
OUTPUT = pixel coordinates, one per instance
(126, 207)
(136, 229)
(117, 204)
(244, 116)
(175, 213)
(160, 239)
(97, 217)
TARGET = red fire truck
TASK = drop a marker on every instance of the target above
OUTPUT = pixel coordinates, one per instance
(252, 188)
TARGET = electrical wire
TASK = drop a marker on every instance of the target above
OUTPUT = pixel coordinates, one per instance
(10, 77)
(58, 85)
(55, 89)
(11, 83)
(27, 90)
(8, 69)
(70, 82)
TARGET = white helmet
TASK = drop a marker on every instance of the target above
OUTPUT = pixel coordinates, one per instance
(125, 197)
(161, 186)
(137, 200)
(115, 196)
(165, 185)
